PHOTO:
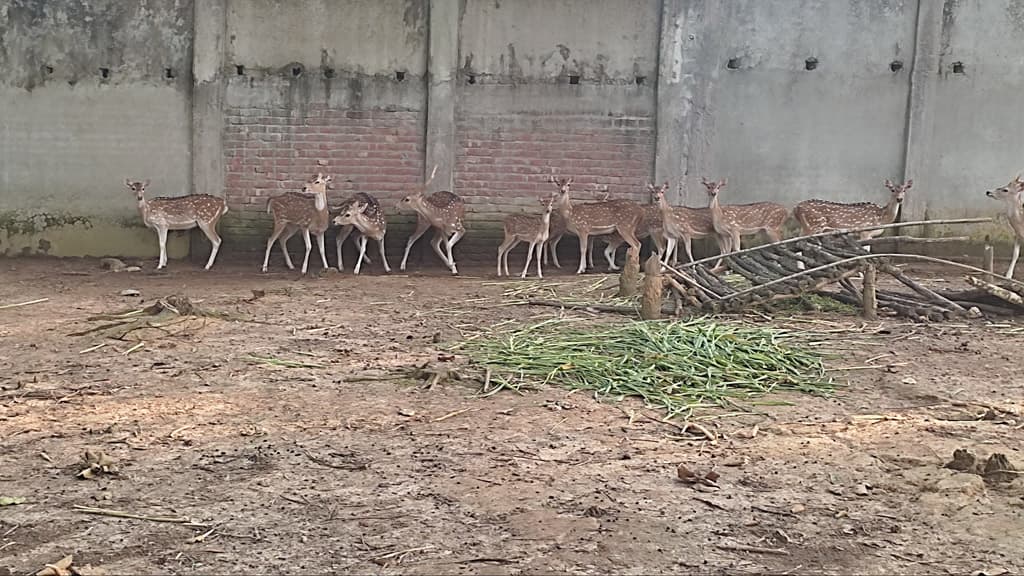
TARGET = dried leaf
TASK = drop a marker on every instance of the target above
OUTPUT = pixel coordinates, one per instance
(11, 500)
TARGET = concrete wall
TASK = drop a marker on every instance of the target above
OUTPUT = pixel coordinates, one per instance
(499, 95)
(69, 136)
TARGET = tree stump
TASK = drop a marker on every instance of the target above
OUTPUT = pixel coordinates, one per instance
(650, 300)
(630, 277)
(869, 299)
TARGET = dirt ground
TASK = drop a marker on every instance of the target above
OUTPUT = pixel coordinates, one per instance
(259, 468)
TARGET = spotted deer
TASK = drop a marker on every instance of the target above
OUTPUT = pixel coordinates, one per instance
(735, 220)
(442, 211)
(682, 223)
(526, 228)
(364, 213)
(585, 220)
(558, 230)
(180, 213)
(817, 216)
(1011, 195)
(650, 227)
(294, 212)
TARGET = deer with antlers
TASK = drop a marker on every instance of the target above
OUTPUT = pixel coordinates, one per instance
(735, 220)
(442, 211)
(1011, 195)
(180, 213)
(294, 212)
(682, 223)
(526, 228)
(597, 218)
(817, 216)
(363, 212)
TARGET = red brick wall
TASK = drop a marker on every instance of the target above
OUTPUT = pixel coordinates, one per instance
(503, 161)
(268, 151)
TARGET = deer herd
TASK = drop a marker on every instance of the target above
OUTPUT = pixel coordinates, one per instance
(621, 221)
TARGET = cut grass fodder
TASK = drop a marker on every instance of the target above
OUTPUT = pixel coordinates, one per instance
(672, 365)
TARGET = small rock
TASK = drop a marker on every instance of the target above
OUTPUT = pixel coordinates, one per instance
(797, 508)
(973, 312)
(685, 474)
(963, 461)
(132, 269)
(130, 292)
(909, 380)
(406, 413)
(736, 461)
(861, 490)
(112, 264)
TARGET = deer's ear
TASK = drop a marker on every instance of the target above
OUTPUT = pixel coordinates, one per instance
(329, 179)
(888, 183)
(145, 183)
(665, 185)
(723, 182)
(128, 182)
(569, 180)
(1018, 180)
(551, 178)
(361, 207)
(909, 184)
(704, 181)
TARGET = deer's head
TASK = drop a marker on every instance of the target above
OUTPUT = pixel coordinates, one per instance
(563, 185)
(713, 188)
(350, 214)
(139, 188)
(547, 203)
(413, 200)
(899, 191)
(317, 184)
(1009, 193)
(657, 192)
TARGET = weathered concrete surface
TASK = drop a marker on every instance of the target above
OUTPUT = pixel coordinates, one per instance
(69, 136)
(366, 36)
(602, 41)
(443, 61)
(782, 132)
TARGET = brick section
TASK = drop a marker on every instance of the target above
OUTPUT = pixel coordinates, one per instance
(269, 151)
(503, 163)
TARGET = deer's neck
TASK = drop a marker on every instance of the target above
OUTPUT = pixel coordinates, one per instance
(717, 217)
(144, 210)
(1015, 215)
(890, 210)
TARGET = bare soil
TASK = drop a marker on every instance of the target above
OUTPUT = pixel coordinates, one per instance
(309, 470)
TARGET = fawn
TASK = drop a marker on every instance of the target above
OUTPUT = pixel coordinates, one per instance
(180, 213)
(526, 228)
(1011, 196)
(364, 213)
(735, 220)
(442, 211)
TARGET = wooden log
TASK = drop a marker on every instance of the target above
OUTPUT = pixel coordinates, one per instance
(927, 293)
(997, 291)
(630, 277)
(913, 240)
(869, 299)
(651, 297)
(721, 287)
(987, 308)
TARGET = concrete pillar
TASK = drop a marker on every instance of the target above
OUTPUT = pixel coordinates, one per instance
(678, 74)
(208, 54)
(442, 74)
(920, 117)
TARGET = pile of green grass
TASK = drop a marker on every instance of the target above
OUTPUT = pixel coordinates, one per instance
(673, 365)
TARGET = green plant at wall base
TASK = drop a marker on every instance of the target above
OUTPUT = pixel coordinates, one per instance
(673, 365)
(19, 223)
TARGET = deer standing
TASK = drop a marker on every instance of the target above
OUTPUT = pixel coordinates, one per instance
(526, 228)
(442, 211)
(735, 220)
(817, 216)
(650, 226)
(585, 220)
(306, 212)
(180, 213)
(1011, 196)
(364, 213)
(682, 223)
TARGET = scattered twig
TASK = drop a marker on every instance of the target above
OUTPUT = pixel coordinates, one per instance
(30, 302)
(755, 549)
(452, 414)
(133, 348)
(120, 514)
(92, 348)
(398, 554)
(279, 362)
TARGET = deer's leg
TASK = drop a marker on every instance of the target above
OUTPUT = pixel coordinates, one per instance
(309, 248)
(669, 249)
(343, 233)
(584, 243)
(288, 232)
(362, 251)
(540, 251)
(210, 229)
(1013, 259)
(553, 248)
(270, 244)
(503, 249)
(161, 236)
(529, 257)
(609, 255)
(449, 243)
(320, 246)
(421, 226)
(435, 243)
(383, 257)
